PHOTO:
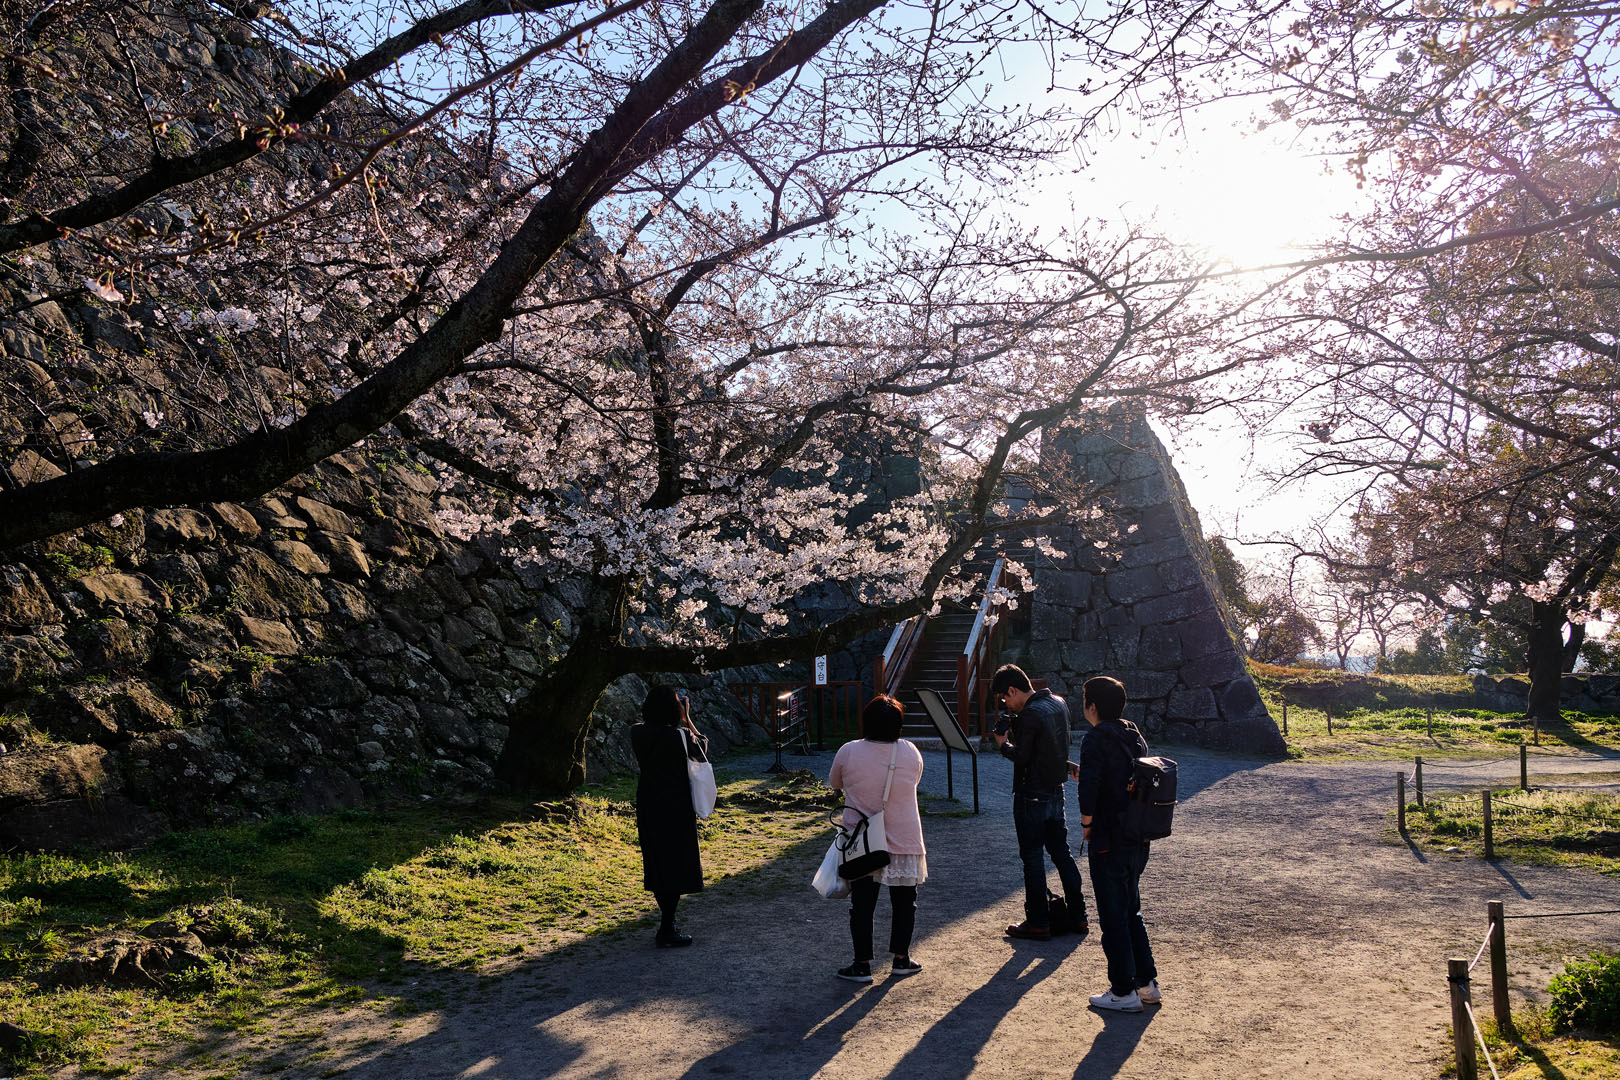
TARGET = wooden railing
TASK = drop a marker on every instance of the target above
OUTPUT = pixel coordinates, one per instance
(796, 712)
(978, 658)
(889, 669)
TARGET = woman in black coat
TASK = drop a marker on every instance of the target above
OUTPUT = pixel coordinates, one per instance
(664, 814)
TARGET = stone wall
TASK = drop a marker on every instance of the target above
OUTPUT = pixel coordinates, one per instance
(1579, 693)
(1145, 607)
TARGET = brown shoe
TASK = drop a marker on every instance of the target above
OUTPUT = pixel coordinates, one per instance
(1028, 932)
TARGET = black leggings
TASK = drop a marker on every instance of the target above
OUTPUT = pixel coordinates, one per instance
(666, 907)
(863, 895)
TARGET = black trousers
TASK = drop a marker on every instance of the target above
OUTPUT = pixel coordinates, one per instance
(863, 896)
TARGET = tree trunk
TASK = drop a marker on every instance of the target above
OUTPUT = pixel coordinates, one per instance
(1545, 661)
(544, 753)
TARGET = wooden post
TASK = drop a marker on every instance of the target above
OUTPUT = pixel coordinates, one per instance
(1490, 848)
(1285, 717)
(1417, 774)
(1524, 767)
(1400, 803)
(1430, 711)
(1330, 719)
(1499, 987)
(1462, 1030)
(879, 677)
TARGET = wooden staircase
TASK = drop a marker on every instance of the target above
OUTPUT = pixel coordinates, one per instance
(954, 653)
(934, 665)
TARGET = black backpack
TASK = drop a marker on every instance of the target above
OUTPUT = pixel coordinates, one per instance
(1150, 796)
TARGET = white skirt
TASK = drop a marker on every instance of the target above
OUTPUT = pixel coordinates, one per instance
(903, 870)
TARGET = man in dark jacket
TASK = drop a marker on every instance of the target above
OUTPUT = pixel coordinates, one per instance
(1039, 750)
(1107, 762)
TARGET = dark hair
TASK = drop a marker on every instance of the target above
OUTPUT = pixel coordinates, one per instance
(1108, 694)
(1010, 677)
(662, 706)
(882, 719)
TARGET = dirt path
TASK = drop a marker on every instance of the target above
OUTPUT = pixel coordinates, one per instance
(1294, 938)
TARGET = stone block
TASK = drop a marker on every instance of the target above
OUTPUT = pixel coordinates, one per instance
(442, 580)
(1082, 657)
(1142, 492)
(1182, 573)
(1196, 704)
(267, 635)
(1216, 669)
(460, 633)
(344, 553)
(116, 644)
(1065, 588)
(324, 517)
(1241, 700)
(447, 726)
(374, 642)
(1204, 634)
(24, 603)
(1174, 607)
(23, 343)
(1044, 655)
(1159, 649)
(1144, 684)
(484, 621)
(387, 539)
(179, 525)
(451, 662)
(1048, 623)
(299, 557)
(1121, 645)
(348, 603)
(237, 522)
(330, 685)
(1147, 551)
(27, 467)
(131, 592)
(270, 512)
(1134, 586)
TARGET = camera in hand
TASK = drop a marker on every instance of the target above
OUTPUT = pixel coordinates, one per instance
(1003, 724)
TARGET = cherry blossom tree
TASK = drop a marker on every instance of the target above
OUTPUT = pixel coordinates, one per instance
(657, 284)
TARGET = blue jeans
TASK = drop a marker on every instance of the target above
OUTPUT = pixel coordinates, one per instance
(1042, 831)
(1115, 879)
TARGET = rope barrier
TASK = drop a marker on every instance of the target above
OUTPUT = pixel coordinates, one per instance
(1479, 1037)
(1562, 914)
(1429, 765)
(1490, 932)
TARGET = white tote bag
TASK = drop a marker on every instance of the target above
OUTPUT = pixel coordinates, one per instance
(827, 881)
(701, 775)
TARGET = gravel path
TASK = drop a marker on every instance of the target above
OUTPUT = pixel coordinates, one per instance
(1294, 935)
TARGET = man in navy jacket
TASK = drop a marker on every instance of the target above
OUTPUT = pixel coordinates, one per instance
(1107, 762)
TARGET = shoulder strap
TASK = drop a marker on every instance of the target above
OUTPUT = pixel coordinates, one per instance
(887, 784)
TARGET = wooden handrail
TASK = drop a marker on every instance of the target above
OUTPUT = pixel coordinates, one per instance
(981, 645)
(889, 669)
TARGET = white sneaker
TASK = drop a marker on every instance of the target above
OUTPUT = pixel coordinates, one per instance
(1110, 1000)
(1149, 994)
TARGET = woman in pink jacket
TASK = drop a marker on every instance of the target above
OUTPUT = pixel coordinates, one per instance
(860, 772)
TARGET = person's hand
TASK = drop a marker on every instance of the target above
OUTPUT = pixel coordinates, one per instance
(1001, 740)
(1074, 771)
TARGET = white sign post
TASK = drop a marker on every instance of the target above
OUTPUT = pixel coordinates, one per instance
(821, 671)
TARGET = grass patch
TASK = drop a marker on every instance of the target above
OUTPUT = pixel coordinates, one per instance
(1398, 716)
(1555, 828)
(329, 911)
(1537, 1050)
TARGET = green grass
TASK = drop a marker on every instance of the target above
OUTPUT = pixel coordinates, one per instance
(1547, 827)
(1534, 1052)
(1400, 716)
(328, 911)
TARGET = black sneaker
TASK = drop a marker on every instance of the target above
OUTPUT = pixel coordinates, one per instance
(1082, 929)
(904, 965)
(671, 939)
(860, 971)
(1028, 932)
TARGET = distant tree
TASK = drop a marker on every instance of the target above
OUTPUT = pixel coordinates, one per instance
(1427, 656)
(1283, 633)
(1233, 578)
